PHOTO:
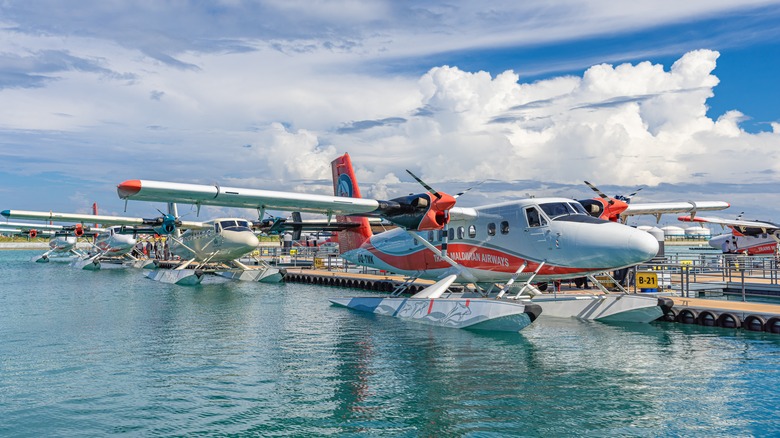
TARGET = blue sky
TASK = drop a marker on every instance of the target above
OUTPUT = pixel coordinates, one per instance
(533, 97)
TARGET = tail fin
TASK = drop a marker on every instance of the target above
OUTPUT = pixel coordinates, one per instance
(345, 184)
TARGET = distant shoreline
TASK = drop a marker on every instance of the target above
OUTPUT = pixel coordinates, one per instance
(24, 245)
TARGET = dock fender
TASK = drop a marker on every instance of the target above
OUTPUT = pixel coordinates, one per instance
(670, 315)
(729, 320)
(533, 311)
(707, 318)
(687, 316)
(754, 323)
(665, 303)
(773, 325)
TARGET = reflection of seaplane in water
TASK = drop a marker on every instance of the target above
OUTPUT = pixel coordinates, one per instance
(512, 243)
(751, 237)
(211, 247)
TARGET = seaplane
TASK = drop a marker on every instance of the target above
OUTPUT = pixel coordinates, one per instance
(501, 249)
(211, 247)
(747, 236)
(62, 243)
(620, 208)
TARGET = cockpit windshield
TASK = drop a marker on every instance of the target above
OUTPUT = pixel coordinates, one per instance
(234, 225)
(557, 209)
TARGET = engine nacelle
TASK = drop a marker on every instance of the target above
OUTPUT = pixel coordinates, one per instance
(165, 224)
(421, 212)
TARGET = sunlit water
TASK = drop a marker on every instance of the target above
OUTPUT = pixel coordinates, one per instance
(111, 352)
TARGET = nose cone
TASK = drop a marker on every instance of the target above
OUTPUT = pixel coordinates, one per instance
(239, 242)
(642, 246)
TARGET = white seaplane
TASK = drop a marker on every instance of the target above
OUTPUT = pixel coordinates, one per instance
(62, 242)
(211, 247)
(537, 239)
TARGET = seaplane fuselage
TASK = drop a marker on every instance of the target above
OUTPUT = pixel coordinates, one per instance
(228, 239)
(112, 243)
(492, 243)
(62, 242)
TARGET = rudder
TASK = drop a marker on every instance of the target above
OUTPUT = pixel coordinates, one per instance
(345, 184)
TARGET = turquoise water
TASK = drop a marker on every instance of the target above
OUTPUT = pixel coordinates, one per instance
(111, 352)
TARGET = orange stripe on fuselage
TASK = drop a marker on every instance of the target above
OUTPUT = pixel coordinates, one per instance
(470, 256)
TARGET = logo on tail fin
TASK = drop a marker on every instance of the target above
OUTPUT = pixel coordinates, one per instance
(344, 186)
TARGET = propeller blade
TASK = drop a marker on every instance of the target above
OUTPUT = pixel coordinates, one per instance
(427, 187)
(457, 195)
(600, 193)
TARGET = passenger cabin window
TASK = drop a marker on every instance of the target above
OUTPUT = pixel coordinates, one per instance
(441, 234)
(504, 227)
(430, 236)
(451, 234)
(535, 219)
(491, 229)
(472, 231)
(461, 232)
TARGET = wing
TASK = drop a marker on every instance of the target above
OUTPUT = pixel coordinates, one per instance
(4, 229)
(743, 226)
(144, 190)
(27, 227)
(92, 219)
(159, 191)
(658, 208)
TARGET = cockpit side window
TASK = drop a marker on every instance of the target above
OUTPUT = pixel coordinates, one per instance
(578, 207)
(535, 219)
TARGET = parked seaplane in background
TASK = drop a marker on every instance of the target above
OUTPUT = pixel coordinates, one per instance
(620, 207)
(62, 242)
(211, 247)
(751, 237)
(512, 244)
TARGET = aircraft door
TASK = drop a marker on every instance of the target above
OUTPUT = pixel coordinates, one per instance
(536, 231)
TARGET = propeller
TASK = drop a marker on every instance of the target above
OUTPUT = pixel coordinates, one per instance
(165, 224)
(439, 209)
(627, 199)
(609, 200)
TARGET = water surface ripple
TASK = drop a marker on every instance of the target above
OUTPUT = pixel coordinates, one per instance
(111, 352)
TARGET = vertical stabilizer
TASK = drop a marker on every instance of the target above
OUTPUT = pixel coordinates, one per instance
(345, 184)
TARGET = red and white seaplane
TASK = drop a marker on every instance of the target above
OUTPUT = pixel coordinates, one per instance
(501, 249)
(751, 237)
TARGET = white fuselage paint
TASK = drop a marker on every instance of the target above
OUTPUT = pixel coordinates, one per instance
(228, 239)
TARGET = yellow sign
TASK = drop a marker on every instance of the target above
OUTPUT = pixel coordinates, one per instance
(646, 280)
(293, 251)
(686, 264)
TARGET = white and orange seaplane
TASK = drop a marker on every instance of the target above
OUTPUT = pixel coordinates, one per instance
(500, 249)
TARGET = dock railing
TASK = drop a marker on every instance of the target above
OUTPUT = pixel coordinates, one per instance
(690, 273)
